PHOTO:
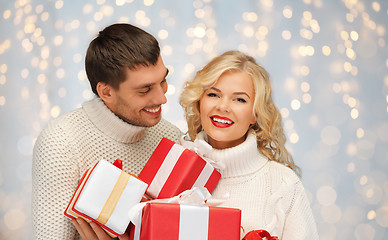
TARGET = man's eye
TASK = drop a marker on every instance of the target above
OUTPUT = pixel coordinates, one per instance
(145, 91)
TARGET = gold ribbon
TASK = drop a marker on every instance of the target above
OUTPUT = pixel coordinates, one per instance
(113, 198)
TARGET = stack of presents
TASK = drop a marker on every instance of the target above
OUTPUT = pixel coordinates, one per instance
(167, 200)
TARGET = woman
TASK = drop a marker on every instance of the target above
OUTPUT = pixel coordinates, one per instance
(229, 105)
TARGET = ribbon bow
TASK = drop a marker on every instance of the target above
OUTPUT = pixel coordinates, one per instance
(201, 148)
(194, 196)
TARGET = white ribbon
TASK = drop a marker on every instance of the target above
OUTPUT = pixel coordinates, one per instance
(194, 197)
(201, 147)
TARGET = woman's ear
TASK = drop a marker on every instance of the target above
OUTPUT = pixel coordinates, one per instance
(253, 120)
(104, 91)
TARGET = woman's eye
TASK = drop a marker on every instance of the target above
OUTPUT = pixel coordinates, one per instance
(212, 95)
(241, 100)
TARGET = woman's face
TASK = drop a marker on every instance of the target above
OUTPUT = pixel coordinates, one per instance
(226, 109)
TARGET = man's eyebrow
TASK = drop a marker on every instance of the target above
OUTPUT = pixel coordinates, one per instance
(150, 84)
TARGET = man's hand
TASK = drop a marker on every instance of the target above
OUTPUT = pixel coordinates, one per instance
(92, 231)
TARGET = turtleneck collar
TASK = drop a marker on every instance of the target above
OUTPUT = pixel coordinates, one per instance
(240, 160)
(106, 121)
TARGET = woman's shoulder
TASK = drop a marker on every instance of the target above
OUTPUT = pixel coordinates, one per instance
(283, 173)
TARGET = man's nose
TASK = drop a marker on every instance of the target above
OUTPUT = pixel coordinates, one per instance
(160, 96)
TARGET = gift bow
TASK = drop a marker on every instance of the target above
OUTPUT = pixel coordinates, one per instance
(201, 147)
(194, 196)
(259, 235)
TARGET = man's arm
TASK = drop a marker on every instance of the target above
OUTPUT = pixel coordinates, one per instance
(54, 178)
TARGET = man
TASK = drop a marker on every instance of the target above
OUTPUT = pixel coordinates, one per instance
(123, 121)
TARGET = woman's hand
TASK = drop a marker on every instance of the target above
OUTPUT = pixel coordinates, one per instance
(92, 231)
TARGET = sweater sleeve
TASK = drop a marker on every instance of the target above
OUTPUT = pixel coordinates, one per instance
(54, 178)
(300, 223)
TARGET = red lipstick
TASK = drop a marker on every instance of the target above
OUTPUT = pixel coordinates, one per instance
(221, 122)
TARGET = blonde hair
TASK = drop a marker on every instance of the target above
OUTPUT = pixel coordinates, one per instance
(268, 127)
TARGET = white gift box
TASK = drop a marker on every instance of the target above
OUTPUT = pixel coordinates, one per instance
(105, 195)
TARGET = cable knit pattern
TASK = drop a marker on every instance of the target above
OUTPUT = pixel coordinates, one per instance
(270, 195)
(71, 144)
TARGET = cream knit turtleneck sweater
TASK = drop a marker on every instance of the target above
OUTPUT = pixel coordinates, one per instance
(270, 195)
(71, 144)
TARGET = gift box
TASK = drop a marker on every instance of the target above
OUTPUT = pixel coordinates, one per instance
(105, 195)
(172, 169)
(171, 221)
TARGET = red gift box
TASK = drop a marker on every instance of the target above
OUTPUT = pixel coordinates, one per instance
(171, 221)
(172, 169)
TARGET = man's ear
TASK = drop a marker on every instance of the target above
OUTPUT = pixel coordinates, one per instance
(104, 92)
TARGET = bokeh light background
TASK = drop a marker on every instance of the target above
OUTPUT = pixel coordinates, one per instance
(328, 60)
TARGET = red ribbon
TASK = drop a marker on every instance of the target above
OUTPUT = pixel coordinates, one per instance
(259, 235)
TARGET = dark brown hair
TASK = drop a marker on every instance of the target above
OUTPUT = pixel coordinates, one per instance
(116, 47)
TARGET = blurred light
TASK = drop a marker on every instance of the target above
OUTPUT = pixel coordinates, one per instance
(87, 94)
(331, 213)
(306, 98)
(287, 12)
(364, 232)
(326, 50)
(2, 100)
(248, 31)
(326, 195)
(148, 2)
(62, 92)
(199, 31)
(286, 35)
(171, 89)
(371, 215)
(250, 16)
(294, 138)
(55, 111)
(7, 14)
(376, 6)
(88, 8)
(351, 149)
(295, 104)
(284, 112)
(59, 4)
(3, 80)
(354, 113)
(60, 73)
(354, 35)
(14, 219)
(330, 135)
(360, 133)
(382, 216)
(167, 50)
(351, 167)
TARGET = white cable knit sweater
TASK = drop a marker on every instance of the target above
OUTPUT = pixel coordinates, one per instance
(71, 144)
(270, 195)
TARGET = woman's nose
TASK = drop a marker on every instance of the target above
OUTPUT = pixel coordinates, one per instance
(223, 105)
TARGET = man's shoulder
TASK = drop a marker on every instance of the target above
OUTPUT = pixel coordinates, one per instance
(166, 129)
(64, 123)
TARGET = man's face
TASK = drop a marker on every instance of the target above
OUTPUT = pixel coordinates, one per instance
(139, 98)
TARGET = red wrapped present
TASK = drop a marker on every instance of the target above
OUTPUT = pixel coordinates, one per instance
(172, 169)
(105, 195)
(259, 235)
(172, 221)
